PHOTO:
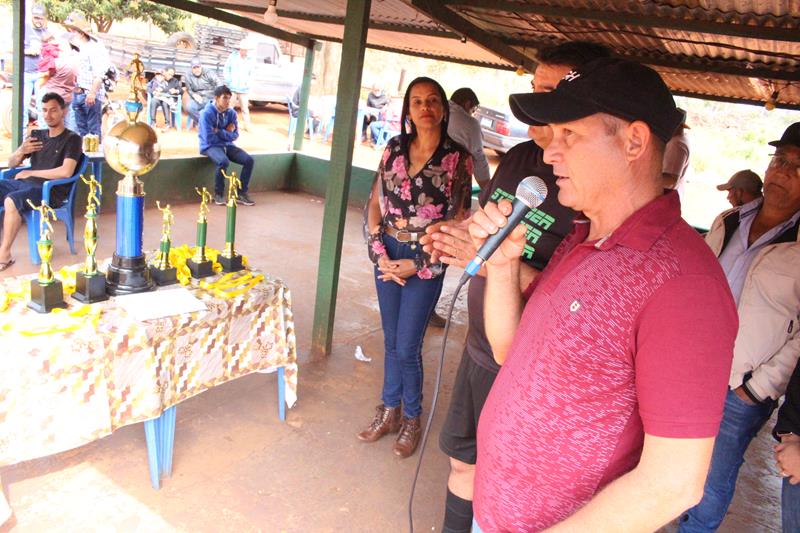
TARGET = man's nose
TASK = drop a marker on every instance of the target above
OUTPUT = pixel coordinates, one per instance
(552, 153)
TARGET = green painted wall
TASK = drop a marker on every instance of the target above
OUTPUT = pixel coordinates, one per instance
(173, 180)
(310, 174)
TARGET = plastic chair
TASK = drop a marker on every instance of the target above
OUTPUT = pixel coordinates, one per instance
(293, 123)
(63, 212)
(384, 134)
(177, 113)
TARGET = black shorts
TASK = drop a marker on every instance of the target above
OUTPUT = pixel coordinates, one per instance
(472, 386)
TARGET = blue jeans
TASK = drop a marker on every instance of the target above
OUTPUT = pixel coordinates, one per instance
(30, 87)
(155, 103)
(194, 110)
(69, 119)
(790, 507)
(740, 423)
(87, 117)
(405, 311)
(222, 157)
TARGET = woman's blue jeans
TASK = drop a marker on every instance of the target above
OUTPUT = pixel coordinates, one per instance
(790, 507)
(741, 422)
(405, 312)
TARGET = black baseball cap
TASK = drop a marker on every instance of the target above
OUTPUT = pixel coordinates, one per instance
(790, 137)
(621, 88)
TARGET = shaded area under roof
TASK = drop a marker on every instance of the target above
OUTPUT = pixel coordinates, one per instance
(744, 51)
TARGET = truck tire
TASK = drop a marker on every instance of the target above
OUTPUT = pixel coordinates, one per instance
(181, 39)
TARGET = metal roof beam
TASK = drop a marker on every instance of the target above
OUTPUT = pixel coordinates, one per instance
(682, 62)
(332, 19)
(732, 68)
(647, 21)
(236, 20)
(734, 100)
(435, 10)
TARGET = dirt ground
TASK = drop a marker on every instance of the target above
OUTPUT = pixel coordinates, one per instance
(236, 466)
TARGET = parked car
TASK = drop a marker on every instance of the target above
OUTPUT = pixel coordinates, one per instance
(501, 131)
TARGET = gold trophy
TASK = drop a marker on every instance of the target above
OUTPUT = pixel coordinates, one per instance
(90, 285)
(138, 82)
(46, 291)
(161, 271)
(229, 259)
(199, 265)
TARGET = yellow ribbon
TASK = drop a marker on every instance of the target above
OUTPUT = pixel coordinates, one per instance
(179, 255)
(232, 284)
(65, 321)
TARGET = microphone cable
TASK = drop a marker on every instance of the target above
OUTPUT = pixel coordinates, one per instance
(464, 278)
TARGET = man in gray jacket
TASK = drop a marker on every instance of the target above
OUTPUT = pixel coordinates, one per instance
(758, 248)
(200, 83)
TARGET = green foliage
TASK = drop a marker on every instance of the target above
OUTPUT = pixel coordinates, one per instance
(103, 13)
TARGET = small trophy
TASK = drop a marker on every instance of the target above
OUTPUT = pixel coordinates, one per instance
(90, 285)
(46, 292)
(199, 265)
(160, 270)
(229, 259)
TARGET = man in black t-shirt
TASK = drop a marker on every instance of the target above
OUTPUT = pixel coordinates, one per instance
(54, 154)
(547, 226)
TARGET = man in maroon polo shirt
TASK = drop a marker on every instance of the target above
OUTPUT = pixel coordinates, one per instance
(604, 415)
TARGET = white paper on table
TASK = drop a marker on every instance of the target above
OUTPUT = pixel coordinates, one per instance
(158, 304)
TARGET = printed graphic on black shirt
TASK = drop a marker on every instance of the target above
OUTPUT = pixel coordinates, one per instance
(535, 221)
(546, 226)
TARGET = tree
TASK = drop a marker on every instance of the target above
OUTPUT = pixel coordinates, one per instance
(103, 13)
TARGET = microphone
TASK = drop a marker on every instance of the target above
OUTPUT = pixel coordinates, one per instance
(531, 192)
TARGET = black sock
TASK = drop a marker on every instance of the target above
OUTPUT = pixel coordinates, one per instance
(457, 514)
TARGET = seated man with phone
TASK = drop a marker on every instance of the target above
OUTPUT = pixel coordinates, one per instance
(54, 153)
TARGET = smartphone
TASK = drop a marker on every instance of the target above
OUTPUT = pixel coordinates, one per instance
(40, 134)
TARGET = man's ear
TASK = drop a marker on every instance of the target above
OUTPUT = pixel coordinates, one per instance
(637, 136)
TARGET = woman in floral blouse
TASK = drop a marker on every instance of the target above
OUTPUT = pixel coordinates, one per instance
(424, 178)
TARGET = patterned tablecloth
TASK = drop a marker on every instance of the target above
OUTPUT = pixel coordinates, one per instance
(71, 377)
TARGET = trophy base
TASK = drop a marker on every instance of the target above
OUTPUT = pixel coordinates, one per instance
(167, 276)
(128, 275)
(200, 270)
(45, 298)
(90, 289)
(230, 264)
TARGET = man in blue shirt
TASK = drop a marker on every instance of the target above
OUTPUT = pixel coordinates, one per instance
(217, 131)
(237, 73)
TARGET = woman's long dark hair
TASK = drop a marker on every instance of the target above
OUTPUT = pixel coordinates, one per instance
(407, 128)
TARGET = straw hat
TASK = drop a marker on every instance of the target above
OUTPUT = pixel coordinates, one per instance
(76, 21)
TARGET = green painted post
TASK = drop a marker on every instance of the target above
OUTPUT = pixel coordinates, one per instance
(330, 250)
(305, 91)
(18, 107)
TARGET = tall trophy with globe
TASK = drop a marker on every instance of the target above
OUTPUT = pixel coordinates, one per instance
(132, 149)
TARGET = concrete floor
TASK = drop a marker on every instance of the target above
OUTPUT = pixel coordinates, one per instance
(236, 466)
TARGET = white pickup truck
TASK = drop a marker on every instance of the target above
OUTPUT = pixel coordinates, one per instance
(274, 78)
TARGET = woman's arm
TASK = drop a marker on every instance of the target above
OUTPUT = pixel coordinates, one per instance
(373, 224)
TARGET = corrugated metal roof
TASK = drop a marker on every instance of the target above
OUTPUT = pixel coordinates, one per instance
(739, 50)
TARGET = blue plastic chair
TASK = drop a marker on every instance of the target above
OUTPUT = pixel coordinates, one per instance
(293, 123)
(177, 114)
(384, 134)
(63, 212)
